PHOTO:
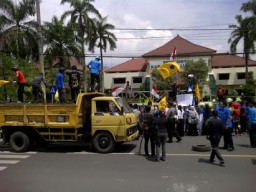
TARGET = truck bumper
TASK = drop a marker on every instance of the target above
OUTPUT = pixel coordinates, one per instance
(133, 136)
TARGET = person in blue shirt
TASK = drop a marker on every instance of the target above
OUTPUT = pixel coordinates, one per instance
(95, 70)
(61, 85)
(252, 120)
(225, 117)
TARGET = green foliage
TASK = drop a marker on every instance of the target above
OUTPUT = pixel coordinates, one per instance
(198, 68)
(249, 89)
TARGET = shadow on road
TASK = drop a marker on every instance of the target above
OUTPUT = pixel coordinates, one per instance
(243, 145)
(201, 160)
(253, 161)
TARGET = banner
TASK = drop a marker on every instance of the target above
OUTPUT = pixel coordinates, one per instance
(185, 99)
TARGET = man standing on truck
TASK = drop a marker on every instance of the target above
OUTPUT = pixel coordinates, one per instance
(21, 81)
(37, 88)
(61, 85)
(74, 83)
(95, 70)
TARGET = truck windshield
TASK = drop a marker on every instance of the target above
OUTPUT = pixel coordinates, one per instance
(122, 103)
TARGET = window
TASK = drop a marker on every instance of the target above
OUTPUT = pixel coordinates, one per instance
(119, 80)
(224, 76)
(137, 79)
(240, 75)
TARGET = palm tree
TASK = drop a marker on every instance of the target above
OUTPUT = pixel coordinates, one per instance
(18, 37)
(60, 42)
(102, 38)
(242, 32)
(80, 17)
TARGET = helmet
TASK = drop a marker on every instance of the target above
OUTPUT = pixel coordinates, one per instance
(74, 67)
(97, 57)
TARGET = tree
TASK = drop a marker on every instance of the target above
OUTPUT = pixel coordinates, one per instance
(18, 36)
(249, 89)
(159, 83)
(80, 17)
(242, 32)
(198, 68)
(60, 42)
(102, 38)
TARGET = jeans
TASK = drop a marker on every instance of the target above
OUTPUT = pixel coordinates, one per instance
(161, 142)
(215, 151)
(151, 137)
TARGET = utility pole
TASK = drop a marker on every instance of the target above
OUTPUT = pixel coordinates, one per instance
(40, 40)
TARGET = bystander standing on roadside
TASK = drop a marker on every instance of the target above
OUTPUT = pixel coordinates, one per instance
(180, 123)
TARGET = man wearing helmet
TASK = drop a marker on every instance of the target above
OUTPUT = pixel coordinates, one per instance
(95, 69)
(21, 81)
(74, 82)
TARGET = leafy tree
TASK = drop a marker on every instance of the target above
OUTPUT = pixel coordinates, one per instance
(160, 83)
(102, 38)
(242, 32)
(80, 17)
(60, 42)
(249, 89)
(18, 36)
(198, 68)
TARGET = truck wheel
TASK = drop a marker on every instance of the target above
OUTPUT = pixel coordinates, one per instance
(19, 142)
(103, 142)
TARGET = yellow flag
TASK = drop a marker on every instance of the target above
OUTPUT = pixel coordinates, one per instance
(197, 92)
(3, 82)
(162, 103)
(168, 69)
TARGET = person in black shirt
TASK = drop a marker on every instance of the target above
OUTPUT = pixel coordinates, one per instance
(74, 82)
(215, 132)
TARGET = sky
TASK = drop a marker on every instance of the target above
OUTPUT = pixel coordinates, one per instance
(178, 15)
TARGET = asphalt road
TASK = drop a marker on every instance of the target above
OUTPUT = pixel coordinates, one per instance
(74, 168)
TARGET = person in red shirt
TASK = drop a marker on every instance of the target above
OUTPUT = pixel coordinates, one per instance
(21, 81)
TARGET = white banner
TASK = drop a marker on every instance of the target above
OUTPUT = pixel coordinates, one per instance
(185, 99)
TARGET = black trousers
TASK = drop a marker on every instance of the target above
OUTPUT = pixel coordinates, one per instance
(21, 91)
(252, 135)
(62, 95)
(172, 132)
(228, 141)
(74, 94)
(215, 151)
(180, 127)
(151, 137)
(93, 78)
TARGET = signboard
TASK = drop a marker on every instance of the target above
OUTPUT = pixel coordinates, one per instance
(53, 90)
(185, 99)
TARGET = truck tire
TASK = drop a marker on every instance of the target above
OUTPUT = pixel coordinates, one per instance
(103, 142)
(19, 141)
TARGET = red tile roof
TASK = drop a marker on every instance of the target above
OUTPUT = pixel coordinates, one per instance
(183, 47)
(228, 60)
(133, 65)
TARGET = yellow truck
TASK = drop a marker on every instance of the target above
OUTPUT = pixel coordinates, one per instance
(102, 120)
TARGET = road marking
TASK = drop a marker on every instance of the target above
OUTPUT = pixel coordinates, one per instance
(2, 168)
(9, 152)
(14, 156)
(169, 154)
(8, 161)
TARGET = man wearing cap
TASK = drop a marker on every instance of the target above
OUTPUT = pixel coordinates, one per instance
(21, 81)
(95, 69)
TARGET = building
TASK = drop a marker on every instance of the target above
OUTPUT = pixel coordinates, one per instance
(226, 69)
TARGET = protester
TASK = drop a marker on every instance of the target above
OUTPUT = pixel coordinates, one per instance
(192, 121)
(175, 89)
(21, 81)
(161, 124)
(139, 116)
(244, 117)
(37, 88)
(128, 90)
(171, 117)
(61, 85)
(147, 127)
(214, 134)
(200, 120)
(252, 120)
(74, 83)
(225, 117)
(180, 123)
(236, 119)
(206, 115)
(95, 70)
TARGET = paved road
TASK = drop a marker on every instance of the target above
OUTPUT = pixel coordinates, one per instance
(66, 168)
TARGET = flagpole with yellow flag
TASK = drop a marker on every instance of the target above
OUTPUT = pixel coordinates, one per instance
(197, 92)
(162, 104)
(168, 69)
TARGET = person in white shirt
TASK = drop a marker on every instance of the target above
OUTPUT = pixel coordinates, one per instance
(180, 123)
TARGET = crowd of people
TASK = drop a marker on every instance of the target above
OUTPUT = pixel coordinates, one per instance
(160, 126)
